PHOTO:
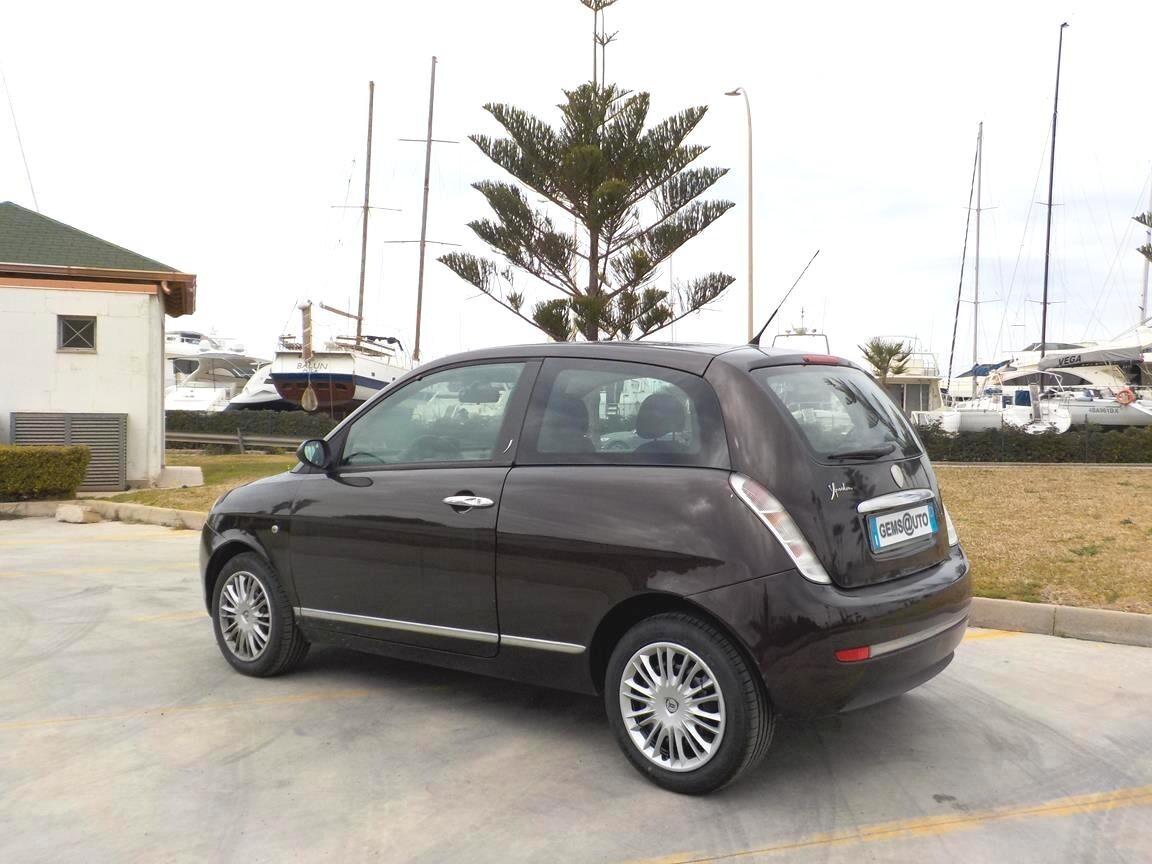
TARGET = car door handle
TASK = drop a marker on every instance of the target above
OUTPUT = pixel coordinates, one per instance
(468, 501)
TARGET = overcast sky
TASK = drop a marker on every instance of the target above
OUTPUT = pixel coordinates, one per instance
(217, 136)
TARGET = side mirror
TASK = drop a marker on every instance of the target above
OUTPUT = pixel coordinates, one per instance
(315, 452)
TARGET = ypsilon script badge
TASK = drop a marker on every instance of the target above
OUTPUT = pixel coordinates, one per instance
(838, 489)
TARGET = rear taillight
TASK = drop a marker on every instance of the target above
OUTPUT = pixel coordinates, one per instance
(854, 655)
(777, 520)
(953, 537)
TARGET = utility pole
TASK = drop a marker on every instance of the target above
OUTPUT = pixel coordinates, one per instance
(364, 234)
(740, 91)
(1051, 181)
(976, 293)
(424, 213)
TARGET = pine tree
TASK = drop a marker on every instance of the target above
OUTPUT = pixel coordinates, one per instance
(632, 192)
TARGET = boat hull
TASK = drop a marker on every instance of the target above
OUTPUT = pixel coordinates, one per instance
(339, 380)
(1107, 412)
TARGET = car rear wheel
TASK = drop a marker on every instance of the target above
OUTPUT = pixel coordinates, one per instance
(688, 711)
(253, 621)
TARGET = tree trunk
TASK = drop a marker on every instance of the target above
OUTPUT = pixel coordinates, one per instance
(592, 327)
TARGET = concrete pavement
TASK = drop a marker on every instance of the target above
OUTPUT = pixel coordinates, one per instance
(124, 736)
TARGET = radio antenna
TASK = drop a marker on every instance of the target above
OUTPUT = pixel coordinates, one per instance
(755, 340)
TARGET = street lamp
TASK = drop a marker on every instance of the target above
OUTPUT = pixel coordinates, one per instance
(740, 91)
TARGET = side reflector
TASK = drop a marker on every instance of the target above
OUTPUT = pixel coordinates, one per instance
(822, 359)
(852, 655)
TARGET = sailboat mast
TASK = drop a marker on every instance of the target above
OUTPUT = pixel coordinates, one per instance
(364, 233)
(1147, 261)
(424, 212)
(1051, 182)
(976, 293)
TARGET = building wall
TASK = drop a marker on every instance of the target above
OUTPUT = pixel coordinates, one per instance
(124, 376)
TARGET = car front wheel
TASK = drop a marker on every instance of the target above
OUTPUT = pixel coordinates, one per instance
(253, 621)
(687, 709)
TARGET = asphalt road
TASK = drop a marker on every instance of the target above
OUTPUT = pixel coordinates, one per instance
(125, 737)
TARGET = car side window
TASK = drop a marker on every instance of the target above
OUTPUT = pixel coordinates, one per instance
(451, 416)
(617, 412)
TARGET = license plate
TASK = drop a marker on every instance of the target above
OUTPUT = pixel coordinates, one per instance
(892, 529)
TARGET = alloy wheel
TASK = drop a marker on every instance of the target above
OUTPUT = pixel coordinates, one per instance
(672, 707)
(245, 615)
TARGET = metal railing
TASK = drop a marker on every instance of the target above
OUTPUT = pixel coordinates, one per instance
(241, 440)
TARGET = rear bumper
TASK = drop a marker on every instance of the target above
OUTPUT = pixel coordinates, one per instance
(793, 629)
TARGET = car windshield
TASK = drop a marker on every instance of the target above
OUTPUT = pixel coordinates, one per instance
(842, 412)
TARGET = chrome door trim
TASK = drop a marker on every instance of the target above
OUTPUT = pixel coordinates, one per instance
(542, 644)
(895, 499)
(882, 648)
(439, 630)
(403, 626)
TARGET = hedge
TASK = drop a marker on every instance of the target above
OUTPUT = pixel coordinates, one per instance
(1079, 444)
(296, 424)
(41, 472)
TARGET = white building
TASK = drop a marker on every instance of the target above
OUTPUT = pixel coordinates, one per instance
(82, 345)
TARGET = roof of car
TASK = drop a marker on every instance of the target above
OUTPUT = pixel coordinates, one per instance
(686, 357)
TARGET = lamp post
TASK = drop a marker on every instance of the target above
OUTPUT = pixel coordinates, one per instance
(740, 91)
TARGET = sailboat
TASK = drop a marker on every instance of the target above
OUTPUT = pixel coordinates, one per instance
(1023, 407)
(343, 371)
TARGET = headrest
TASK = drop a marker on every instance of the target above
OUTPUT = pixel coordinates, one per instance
(565, 413)
(660, 414)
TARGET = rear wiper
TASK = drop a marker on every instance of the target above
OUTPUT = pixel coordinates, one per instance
(874, 453)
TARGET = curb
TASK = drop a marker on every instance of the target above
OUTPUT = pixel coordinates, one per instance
(191, 520)
(1073, 622)
(1069, 465)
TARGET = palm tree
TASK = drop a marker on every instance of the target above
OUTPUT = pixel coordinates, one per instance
(886, 357)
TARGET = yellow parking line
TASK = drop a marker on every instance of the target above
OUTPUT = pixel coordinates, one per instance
(171, 616)
(932, 826)
(320, 696)
(975, 635)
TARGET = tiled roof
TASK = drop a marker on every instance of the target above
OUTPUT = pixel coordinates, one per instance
(27, 237)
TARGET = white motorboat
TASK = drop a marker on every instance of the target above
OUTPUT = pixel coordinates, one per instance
(259, 394)
(208, 380)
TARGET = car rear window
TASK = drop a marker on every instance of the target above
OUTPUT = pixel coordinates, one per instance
(841, 411)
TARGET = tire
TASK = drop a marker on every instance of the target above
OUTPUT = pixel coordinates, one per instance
(244, 578)
(736, 694)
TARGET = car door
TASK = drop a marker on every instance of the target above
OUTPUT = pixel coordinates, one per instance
(620, 487)
(397, 541)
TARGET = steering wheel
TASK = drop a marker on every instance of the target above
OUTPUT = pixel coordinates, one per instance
(348, 459)
(430, 447)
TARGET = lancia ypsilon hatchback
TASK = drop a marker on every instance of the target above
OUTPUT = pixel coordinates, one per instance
(707, 536)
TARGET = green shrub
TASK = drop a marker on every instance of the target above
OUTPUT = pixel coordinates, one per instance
(297, 424)
(1079, 444)
(41, 472)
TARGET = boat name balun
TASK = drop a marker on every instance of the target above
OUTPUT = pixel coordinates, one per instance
(311, 366)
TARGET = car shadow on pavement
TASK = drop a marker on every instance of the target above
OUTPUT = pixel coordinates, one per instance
(805, 756)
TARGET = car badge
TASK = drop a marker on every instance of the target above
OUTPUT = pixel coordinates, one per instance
(899, 475)
(838, 489)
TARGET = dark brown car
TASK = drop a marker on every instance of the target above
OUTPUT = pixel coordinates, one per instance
(707, 536)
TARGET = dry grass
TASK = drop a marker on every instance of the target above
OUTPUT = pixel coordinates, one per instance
(221, 473)
(1076, 535)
